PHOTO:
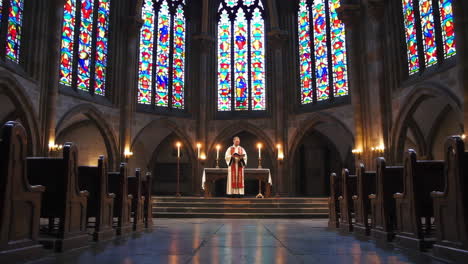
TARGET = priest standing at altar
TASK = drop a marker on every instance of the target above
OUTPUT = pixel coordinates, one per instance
(236, 159)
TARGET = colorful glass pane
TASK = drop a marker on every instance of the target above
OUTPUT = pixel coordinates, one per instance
(305, 54)
(146, 54)
(321, 53)
(84, 44)
(428, 32)
(241, 62)
(101, 46)
(68, 35)
(338, 44)
(15, 23)
(257, 47)
(224, 62)
(231, 3)
(448, 28)
(178, 60)
(162, 59)
(1, 10)
(410, 34)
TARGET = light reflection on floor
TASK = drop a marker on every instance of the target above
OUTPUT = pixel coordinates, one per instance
(256, 241)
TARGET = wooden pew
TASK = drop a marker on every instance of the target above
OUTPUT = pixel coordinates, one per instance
(20, 202)
(348, 186)
(62, 200)
(365, 186)
(148, 208)
(451, 205)
(138, 201)
(118, 184)
(414, 203)
(333, 203)
(389, 180)
(100, 201)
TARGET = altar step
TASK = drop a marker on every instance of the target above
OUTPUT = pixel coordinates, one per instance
(199, 207)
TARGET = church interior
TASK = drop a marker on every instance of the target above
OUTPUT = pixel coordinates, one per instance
(118, 119)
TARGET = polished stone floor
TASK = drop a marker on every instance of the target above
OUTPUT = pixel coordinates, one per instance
(203, 241)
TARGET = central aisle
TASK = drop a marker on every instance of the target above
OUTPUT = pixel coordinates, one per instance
(236, 241)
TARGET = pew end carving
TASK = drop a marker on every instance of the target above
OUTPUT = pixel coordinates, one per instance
(365, 186)
(20, 201)
(333, 202)
(348, 186)
(118, 184)
(138, 201)
(100, 201)
(148, 207)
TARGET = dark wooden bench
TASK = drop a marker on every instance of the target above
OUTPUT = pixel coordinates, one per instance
(451, 205)
(148, 208)
(333, 203)
(365, 187)
(62, 201)
(389, 181)
(100, 201)
(20, 202)
(348, 186)
(414, 203)
(138, 201)
(118, 184)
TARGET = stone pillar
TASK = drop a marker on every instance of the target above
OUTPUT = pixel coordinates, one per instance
(350, 14)
(460, 8)
(128, 91)
(205, 45)
(277, 39)
(378, 96)
(50, 82)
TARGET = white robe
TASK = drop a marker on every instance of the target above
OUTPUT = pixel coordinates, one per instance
(229, 189)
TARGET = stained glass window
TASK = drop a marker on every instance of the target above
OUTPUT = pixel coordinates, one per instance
(161, 79)
(322, 51)
(410, 34)
(448, 28)
(428, 14)
(241, 56)
(15, 22)
(11, 18)
(83, 60)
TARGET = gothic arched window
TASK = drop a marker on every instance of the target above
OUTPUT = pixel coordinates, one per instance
(241, 56)
(322, 51)
(83, 60)
(11, 17)
(161, 81)
(429, 32)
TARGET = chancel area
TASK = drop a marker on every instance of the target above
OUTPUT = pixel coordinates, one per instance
(233, 131)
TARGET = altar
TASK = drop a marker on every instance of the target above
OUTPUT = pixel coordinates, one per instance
(211, 175)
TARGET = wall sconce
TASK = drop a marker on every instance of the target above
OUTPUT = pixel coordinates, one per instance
(54, 147)
(128, 154)
(357, 152)
(203, 157)
(378, 149)
(463, 137)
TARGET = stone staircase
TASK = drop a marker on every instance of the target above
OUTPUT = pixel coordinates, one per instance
(200, 207)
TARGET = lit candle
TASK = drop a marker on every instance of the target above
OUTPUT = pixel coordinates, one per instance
(217, 151)
(198, 149)
(178, 149)
(259, 145)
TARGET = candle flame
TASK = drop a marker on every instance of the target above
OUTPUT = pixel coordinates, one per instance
(218, 147)
(178, 144)
(259, 145)
(199, 145)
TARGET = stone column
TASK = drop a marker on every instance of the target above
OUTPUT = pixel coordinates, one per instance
(460, 8)
(50, 82)
(128, 91)
(378, 95)
(205, 45)
(350, 14)
(277, 39)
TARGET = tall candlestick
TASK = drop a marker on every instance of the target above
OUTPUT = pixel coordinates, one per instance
(259, 145)
(198, 149)
(217, 151)
(178, 149)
